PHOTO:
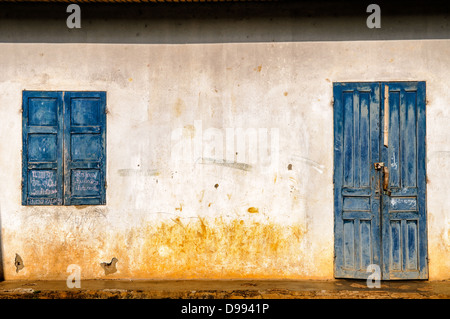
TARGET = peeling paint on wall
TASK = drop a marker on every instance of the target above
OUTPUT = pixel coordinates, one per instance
(18, 262)
(110, 267)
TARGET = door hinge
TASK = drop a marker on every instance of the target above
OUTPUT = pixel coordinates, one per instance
(106, 110)
(106, 185)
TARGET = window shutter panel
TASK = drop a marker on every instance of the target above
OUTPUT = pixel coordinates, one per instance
(84, 148)
(42, 173)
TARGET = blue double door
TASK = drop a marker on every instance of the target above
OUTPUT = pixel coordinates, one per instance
(380, 180)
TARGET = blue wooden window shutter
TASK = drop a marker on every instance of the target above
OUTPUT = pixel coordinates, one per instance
(84, 148)
(64, 148)
(42, 164)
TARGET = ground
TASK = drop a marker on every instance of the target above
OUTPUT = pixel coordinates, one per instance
(224, 289)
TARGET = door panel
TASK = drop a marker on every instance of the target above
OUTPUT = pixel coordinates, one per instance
(356, 148)
(404, 210)
(372, 225)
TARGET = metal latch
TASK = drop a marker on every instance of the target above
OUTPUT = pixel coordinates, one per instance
(378, 166)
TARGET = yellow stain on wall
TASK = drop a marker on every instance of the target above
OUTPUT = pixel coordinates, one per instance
(180, 248)
(438, 253)
(179, 107)
(188, 249)
(219, 249)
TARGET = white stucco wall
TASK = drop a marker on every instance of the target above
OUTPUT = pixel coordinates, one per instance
(168, 219)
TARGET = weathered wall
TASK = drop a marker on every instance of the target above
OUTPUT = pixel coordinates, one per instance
(265, 212)
(169, 216)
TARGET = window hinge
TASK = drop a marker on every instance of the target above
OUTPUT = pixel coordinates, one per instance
(106, 185)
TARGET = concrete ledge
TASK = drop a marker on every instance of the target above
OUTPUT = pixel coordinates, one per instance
(224, 289)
